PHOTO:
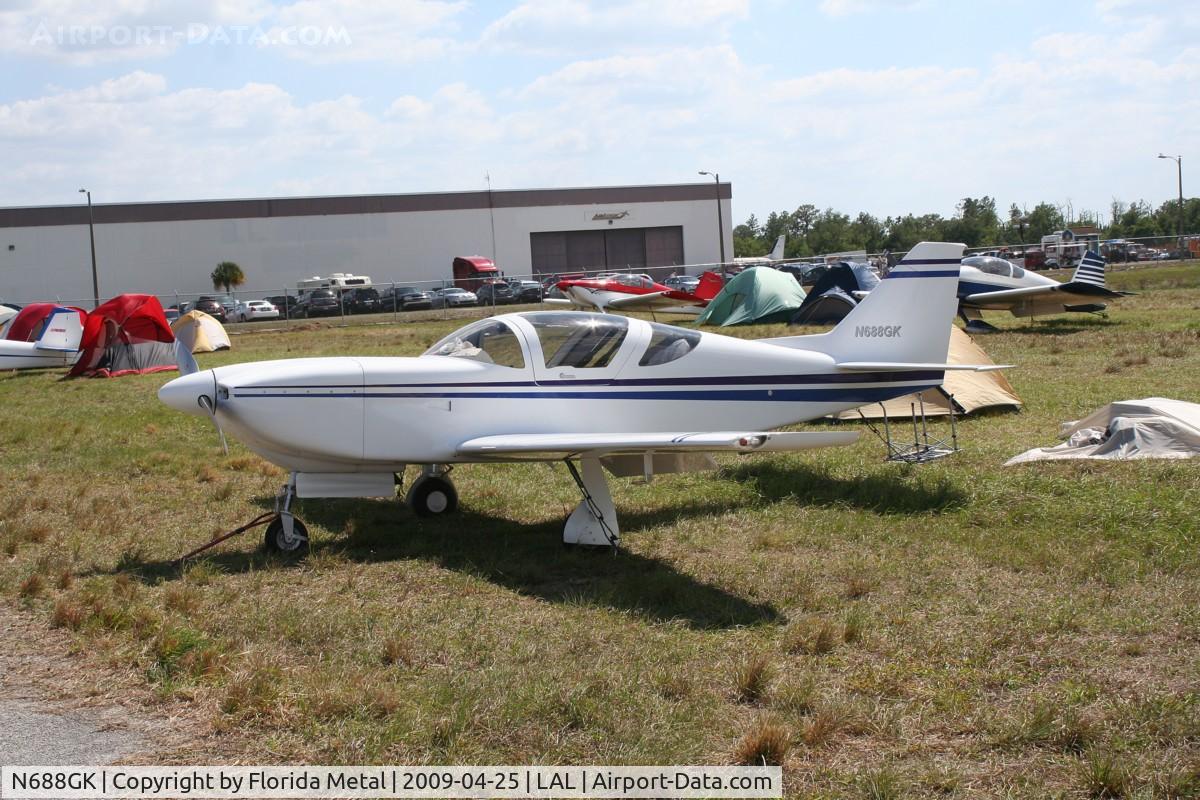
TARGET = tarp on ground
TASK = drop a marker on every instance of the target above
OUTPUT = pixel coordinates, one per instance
(200, 333)
(1154, 427)
(969, 391)
(832, 297)
(30, 322)
(755, 296)
(125, 336)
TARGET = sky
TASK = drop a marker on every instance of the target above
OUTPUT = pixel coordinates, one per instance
(884, 106)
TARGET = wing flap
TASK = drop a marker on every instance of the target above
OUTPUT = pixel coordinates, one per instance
(596, 444)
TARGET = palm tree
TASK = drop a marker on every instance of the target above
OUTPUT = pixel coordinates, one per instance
(227, 275)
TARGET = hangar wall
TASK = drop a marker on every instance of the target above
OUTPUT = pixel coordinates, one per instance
(160, 248)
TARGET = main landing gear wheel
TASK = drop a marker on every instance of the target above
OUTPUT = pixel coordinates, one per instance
(432, 496)
(277, 540)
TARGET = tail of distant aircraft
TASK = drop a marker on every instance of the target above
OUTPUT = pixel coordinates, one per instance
(64, 329)
(904, 323)
(709, 287)
(1090, 270)
(777, 250)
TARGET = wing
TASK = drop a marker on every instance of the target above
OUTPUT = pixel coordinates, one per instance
(1065, 292)
(554, 446)
(635, 300)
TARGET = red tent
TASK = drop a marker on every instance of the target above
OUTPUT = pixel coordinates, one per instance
(128, 335)
(30, 321)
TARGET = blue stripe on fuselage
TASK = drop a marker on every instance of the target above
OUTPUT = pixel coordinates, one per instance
(857, 394)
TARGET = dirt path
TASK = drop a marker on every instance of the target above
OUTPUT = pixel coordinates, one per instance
(65, 707)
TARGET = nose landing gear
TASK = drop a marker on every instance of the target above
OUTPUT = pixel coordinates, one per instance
(286, 534)
(433, 493)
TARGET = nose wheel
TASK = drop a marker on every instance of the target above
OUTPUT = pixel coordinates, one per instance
(279, 539)
(432, 494)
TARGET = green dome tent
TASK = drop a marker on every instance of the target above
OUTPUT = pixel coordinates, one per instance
(758, 295)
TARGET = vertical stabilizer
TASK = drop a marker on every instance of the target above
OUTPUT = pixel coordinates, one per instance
(1090, 270)
(64, 329)
(906, 319)
(777, 250)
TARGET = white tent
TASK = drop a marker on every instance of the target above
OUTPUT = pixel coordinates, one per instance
(1151, 428)
(200, 333)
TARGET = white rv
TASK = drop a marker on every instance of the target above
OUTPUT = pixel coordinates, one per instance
(338, 281)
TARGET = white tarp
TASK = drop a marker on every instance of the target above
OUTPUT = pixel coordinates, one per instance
(1155, 427)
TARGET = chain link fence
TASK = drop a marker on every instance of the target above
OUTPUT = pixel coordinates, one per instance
(400, 301)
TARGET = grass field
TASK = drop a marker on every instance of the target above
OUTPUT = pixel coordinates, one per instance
(959, 629)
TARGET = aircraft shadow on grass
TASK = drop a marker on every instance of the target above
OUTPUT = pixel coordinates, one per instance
(812, 485)
(1062, 327)
(529, 559)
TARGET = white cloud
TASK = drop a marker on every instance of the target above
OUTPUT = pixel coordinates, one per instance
(575, 27)
(86, 33)
(399, 31)
(82, 32)
(842, 8)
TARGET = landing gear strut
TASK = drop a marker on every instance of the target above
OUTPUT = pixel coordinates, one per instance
(286, 534)
(433, 494)
(594, 520)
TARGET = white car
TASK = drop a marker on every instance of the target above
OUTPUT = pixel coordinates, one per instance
(453, 296)
(248, 310)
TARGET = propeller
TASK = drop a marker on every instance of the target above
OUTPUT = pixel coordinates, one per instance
(210, 405)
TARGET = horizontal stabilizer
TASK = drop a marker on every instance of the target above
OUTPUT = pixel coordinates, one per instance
(890, 366)
(593, 444)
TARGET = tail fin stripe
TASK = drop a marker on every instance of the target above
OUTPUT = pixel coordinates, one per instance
(940, 273)
(930, 261)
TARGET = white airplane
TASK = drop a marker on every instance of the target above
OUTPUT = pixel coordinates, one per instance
(603, 390)
(58, 346)
(987, 283)
(770, 258)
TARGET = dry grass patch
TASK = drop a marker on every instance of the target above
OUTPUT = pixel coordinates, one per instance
(752, 678)
(32, 586)
(766, 744)
(812, 636)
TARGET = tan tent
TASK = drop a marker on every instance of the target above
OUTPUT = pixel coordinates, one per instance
(971, 391)
(200, 333)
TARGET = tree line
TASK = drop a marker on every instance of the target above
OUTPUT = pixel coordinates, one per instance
(976, 222)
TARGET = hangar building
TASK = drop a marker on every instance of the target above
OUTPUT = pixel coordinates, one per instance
(160, 248)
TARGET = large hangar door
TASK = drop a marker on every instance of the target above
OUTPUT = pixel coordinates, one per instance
(653, 250)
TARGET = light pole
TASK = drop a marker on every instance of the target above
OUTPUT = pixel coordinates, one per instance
(1179, 166)
(92, 237)
(720, 220)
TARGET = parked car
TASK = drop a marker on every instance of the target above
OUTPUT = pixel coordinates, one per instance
(249, 310)
(404, 298)
(319, 303)
(285, 304)
(171, 313)
(525, 291)
(682, 283)
(363, 300)
(453, 296)
(213, 308)
(496, 293)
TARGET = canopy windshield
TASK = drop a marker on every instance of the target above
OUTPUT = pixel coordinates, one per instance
(578, 340)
